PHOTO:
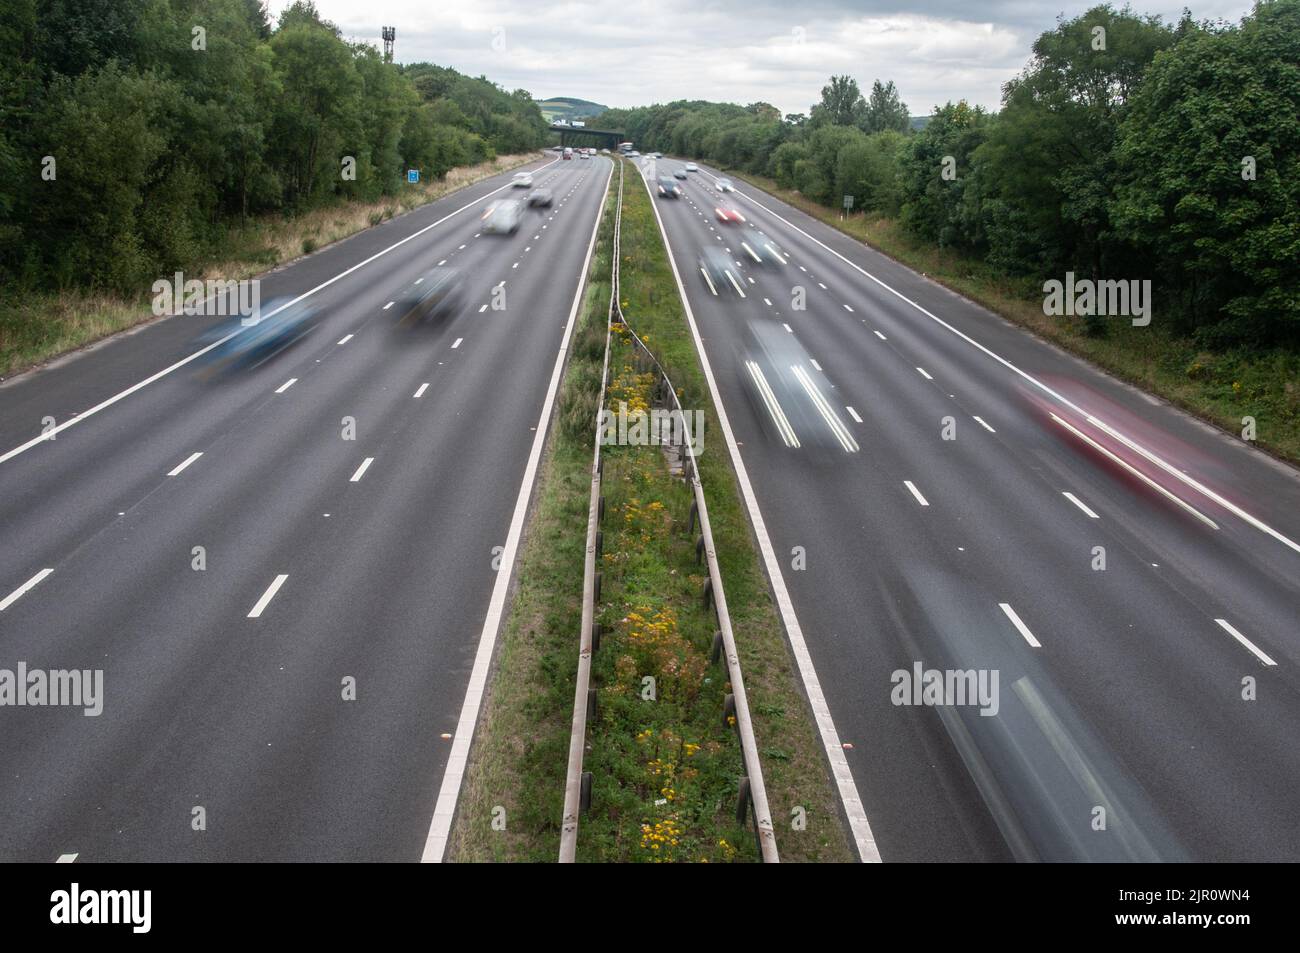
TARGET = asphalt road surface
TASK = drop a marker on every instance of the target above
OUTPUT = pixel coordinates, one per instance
(329, 561)
(1146, 710)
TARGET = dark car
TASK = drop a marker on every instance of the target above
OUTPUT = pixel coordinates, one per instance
(259, 337)
(669, 188)
(438, 294)
(540, 198)
(719, 271)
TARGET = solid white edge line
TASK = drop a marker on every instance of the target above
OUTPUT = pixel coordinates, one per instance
(361, 470)
(868, 851)
(185, 463)
(444, 811)
(1079, 503)
(24, 588)
(915, 492)
(1020, 626)
(50, 434)
(1064, 401)
(286, 385)
(267, 596)
(1259, 654)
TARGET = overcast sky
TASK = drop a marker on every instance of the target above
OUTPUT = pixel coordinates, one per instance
(630, 53)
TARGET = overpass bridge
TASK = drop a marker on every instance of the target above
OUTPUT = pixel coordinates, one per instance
(586, 136)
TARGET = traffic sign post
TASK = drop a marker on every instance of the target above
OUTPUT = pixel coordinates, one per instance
(413, 176)
(848, 204)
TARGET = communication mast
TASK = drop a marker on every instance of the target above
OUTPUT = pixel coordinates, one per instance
(390, 34)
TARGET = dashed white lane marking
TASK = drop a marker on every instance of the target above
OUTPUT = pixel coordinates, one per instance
(1227, 627)
(387, 306)
(443, 262)
(24, 588)
(925, 374)
(916, 493)
(787, 327)
(345, 339)
(1080, 504)
(361, 470)
(267, 596)
(847, 308)
(984, 425)
(768, 302)
(854, 414)
(462, 246)
(418, 280)
(814, 364)
(422, 389)
(456, 343)
(482, 309)
(286, 385)
(822, 286)
(1020, 626)
(67, 858)
(185, 463)
(881, 336)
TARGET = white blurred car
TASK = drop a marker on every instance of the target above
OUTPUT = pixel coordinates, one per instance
(523, 180)
(502, 217)
(724, 185)
(692, 167)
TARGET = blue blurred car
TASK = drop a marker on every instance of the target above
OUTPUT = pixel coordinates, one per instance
(249, 345)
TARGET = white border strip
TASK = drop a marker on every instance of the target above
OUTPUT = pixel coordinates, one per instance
(1174, 471)
(53, 431)
(853, 809)
(1254, 650)
(444, 811)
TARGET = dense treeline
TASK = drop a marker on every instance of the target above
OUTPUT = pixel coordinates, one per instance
(134, 132)
(1150, 150)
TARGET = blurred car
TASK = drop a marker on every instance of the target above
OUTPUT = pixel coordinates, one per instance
(724, 185)
(785, 389)
(502, 217)
(717, 269)
(679, 174)
(728, 215)
(669, 188)
(763, 250)
(568, 152)
(583, 155)
(260, 339)
(438, 294)
(692, 167)
(540, 198)
(522, 180)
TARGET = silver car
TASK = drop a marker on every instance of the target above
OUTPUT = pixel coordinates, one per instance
(502, 217)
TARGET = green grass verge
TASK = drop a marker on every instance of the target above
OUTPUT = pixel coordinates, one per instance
(520, 752)
(37, 327)
(1221, 388)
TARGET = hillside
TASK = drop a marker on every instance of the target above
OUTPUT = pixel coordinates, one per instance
(567, 107)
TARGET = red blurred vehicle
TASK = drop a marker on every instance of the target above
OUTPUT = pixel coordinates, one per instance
(728, 215)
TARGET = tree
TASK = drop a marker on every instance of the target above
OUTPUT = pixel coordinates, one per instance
(841, 103)
(885, 110)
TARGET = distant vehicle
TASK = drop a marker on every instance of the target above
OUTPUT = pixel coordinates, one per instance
(568, 152)
(625, 147)
(560, 122)
(656, 155)
(717, 270)
(728, 215)
(578, 125)
(724, 185)
(502, 217)
(439, 294)
(539, 198)
(583, 155)
(261, 341)
(604, 152)
(669, 188)
(522, 180)
(692, 167)
(633, 154)
(679, 174)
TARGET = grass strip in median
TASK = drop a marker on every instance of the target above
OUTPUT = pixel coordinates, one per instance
(655, 623)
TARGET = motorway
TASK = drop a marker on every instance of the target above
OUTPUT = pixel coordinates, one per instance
(1148, 702)
(328, 561)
